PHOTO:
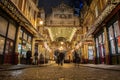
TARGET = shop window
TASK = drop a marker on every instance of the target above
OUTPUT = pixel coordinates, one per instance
(116, 29)
(21, 33)
(90, 53)
(111, 39)
(9, 47)
(19, 48)
(2, 41)
(29, 39)
(101, 45)
(112, 46)
(25, 36)
(117, 35)
(111, 33)
(3, 26)
(97, 48)
(28, 46)
(11, 31)
(103, 37)
(118, 45)
(100, 39)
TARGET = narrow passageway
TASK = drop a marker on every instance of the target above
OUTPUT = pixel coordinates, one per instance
(65, 72)
(42, 39)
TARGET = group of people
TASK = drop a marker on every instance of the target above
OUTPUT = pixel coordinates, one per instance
(29, 55)
(61, 57)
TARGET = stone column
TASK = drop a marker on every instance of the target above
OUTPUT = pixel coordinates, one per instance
(94, 50)
(107, 55)
(17, 55)
(33, 47)
(85, 53)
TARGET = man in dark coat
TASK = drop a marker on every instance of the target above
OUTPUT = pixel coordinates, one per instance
(61, 57)
(36, 57)
(28, 57)
(77, 58)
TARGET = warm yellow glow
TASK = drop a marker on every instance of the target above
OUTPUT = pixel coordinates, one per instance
(41, 22)
(61, 43)
(61, 48)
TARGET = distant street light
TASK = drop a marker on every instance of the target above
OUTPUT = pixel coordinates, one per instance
(41, 22)
(61, 42)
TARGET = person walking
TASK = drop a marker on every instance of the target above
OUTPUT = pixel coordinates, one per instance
(28, 57)
(61, 58)
(36, 58)
(77, 58)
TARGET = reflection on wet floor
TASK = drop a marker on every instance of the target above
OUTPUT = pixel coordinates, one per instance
(55, 72)
(16, 73)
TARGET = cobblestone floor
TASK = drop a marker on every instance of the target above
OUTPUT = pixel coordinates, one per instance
(65, 72)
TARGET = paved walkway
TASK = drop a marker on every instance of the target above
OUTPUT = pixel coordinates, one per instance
(57, 72)
(19, 66)
(23, 66)
(103, 66)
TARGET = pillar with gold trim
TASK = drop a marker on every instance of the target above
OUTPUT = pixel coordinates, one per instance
(107, 55)
(16, 54)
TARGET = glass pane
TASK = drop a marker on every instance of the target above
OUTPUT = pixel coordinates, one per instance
(90, 52)
(3, 26)
(100, 39)
(112, 46)
(2, 41)
(21, 32)
(96, 42)
(102, 50)
(29, 39)
(97, 51)
(116, 29)
(110, 33)
(9, 47)
(11, 31)
(103, 38)
(118, 45)
(25, 36)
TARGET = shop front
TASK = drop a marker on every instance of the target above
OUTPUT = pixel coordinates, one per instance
(113, 29)
(25, 44)
(8, 29)
(107, 39)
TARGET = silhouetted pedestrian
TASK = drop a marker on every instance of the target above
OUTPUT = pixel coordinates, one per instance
(76, 58)
(28, 57)
(36, 57)
(61, 58)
